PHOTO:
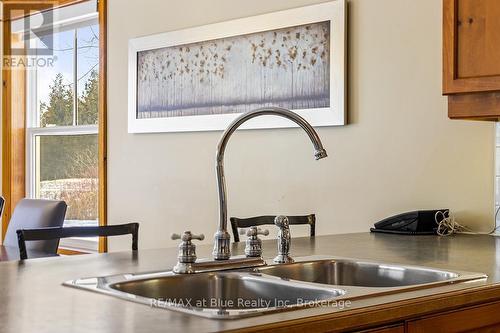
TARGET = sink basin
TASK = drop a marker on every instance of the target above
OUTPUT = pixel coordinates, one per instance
(214, 294)
(343, 272)
(310, 281)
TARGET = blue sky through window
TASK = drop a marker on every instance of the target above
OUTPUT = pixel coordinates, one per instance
(64, 58)
(88, 54)
(63, 63)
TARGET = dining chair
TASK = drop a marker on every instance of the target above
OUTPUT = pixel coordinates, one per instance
(36, 213)
(2, 205)
(269, 220)
(24, 235)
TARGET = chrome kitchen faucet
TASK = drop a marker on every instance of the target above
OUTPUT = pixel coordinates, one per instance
(222, 240)
(222, 250)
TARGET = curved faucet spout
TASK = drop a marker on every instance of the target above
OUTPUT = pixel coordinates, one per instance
(222, 248)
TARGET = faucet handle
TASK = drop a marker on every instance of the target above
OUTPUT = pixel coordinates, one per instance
(253, 246)
(254, 231)
(187, 236)
(187, 252)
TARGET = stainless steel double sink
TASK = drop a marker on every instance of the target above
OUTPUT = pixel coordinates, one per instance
(310, 281)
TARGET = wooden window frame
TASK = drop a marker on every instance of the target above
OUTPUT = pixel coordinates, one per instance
(14, 121)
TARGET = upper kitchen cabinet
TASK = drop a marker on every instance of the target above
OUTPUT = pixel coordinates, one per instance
(471, 58)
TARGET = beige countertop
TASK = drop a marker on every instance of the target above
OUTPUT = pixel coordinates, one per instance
(33, 299)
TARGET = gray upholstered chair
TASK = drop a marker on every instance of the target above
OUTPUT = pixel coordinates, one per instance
(36, 213)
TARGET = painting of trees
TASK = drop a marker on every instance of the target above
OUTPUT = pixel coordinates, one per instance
(287, 67)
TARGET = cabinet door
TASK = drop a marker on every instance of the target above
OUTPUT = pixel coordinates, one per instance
(386, 329)
(471, 46)
(479, 319)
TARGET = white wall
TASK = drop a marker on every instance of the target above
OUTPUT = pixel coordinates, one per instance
(400, 151)
(1, 103)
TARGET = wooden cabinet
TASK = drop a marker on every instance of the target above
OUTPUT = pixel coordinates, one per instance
(479, 319)
(471, 58)
(483, 318)
(400, 328)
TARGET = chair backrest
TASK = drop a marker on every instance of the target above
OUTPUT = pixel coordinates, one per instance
(25, 235)
(2, 205)
(269, 219)
(36, 213)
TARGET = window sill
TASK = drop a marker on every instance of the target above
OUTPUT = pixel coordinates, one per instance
(69, 252)
(83, 245)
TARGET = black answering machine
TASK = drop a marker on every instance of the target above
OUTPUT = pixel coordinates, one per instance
(421, 222)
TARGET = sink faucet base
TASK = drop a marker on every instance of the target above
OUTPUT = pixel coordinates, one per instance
(236, 262)
(183, 268)
(222, 245)
(283, 259)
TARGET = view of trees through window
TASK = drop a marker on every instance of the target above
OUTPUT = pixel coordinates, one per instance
(68, 171)
(59, 109)
(67, 95)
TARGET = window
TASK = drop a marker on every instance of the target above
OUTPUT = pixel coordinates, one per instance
(62, 119)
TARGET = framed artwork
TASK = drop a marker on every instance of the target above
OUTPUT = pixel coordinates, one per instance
(200, 79)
